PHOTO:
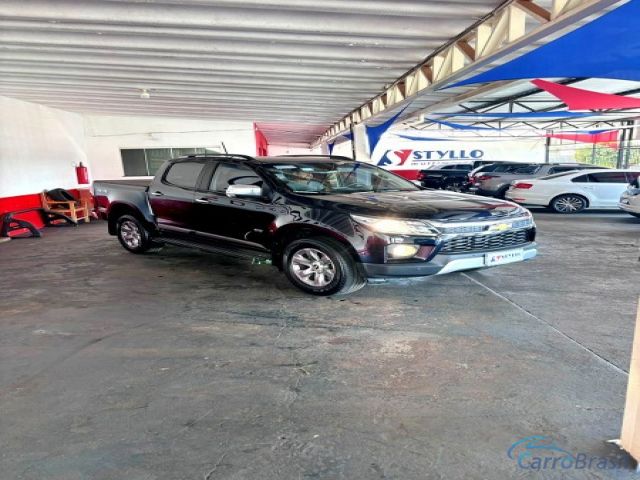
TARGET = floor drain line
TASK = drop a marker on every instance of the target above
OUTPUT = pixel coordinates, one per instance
(544, 322)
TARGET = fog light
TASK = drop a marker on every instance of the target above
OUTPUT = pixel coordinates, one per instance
(400, 250)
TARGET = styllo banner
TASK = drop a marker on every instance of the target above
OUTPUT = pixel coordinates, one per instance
(406, 157)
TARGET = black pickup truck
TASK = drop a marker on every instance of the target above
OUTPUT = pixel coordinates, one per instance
(328, 222)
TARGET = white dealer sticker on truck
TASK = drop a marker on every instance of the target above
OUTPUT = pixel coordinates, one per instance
(505, 256)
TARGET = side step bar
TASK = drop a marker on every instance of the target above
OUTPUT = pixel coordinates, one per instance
(238, 252)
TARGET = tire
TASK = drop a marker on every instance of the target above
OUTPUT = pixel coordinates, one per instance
(338, 272)
(134, 236)
(454, 187)
(502, 192)
(568, 204)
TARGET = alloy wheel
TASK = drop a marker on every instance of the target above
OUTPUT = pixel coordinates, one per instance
(131, 235)
(313, 267)
(569, 204)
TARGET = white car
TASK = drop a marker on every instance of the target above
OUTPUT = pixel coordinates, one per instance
(630, 199)
(572, 192)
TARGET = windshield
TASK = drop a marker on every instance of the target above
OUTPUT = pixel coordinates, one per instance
(336, 177)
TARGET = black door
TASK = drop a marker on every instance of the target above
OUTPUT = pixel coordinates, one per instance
(171, 197)
(244, 221)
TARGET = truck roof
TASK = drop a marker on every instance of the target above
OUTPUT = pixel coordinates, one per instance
(275, 159)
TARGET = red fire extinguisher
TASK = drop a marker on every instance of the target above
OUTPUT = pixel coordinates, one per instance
(83, 174)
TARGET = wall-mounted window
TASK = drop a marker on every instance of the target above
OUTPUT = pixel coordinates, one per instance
(143, 162)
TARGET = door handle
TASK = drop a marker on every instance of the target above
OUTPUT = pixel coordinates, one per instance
(202, 200)
(157, 194)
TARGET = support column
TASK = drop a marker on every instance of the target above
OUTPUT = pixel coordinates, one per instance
(630, 135)
(621, 148)
(360, 145)
(547, 145)
(630, 436)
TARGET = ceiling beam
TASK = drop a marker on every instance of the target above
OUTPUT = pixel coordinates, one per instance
(505, 28)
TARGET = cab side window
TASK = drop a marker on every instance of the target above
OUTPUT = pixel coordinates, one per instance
(609, 177)
(184, 174)
(581, 179)
(634, 178)
(561, 169)
(233, 174)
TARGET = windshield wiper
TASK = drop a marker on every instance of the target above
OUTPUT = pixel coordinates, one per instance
(397, 190)
(311, 192)
(348, 190)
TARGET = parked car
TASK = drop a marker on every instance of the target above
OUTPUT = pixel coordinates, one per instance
(450, 164)
(573, 192)
(328, 222)
(630, 198)
(449, 177)
(497, 184)
(475, 176)
(455, 176)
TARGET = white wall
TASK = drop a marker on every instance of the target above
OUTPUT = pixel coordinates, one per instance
(38, 147)
(106, 135)
(293, 150)
(344, 149)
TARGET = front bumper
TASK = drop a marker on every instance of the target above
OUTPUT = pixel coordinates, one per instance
(438, 265)
(526, 197)
(629, 208)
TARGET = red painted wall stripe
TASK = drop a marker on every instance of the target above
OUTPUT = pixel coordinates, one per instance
(22, 202)
(11, 204)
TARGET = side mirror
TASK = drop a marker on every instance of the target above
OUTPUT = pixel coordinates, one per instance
(244, 191)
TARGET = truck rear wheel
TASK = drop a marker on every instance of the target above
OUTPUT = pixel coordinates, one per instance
(321, 266)
(134, 236)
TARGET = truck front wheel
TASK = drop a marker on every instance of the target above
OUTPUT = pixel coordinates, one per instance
(321, 266)
(134, 236)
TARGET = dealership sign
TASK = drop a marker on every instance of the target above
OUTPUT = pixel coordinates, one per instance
(399, 157)
(400, 154)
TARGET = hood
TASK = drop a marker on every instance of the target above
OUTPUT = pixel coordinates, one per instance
(422, 204)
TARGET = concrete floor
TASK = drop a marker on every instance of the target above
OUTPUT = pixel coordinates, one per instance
(184, 365)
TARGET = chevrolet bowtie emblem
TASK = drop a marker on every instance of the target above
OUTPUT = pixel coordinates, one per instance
(499, 227)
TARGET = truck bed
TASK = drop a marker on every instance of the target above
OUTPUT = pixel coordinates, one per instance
(139, 182)
(132, 192)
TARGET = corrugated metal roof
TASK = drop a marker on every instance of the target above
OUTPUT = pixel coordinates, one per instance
(293, 66)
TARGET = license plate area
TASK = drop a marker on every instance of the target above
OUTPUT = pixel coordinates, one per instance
(503, 256)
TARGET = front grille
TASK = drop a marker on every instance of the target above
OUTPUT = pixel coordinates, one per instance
(503, 213)
(475, 243)
(480, 227)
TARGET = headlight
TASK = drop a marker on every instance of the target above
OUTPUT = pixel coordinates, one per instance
(394, 226)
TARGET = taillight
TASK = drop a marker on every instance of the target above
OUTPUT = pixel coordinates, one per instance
(482, 178)
(523, 186)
